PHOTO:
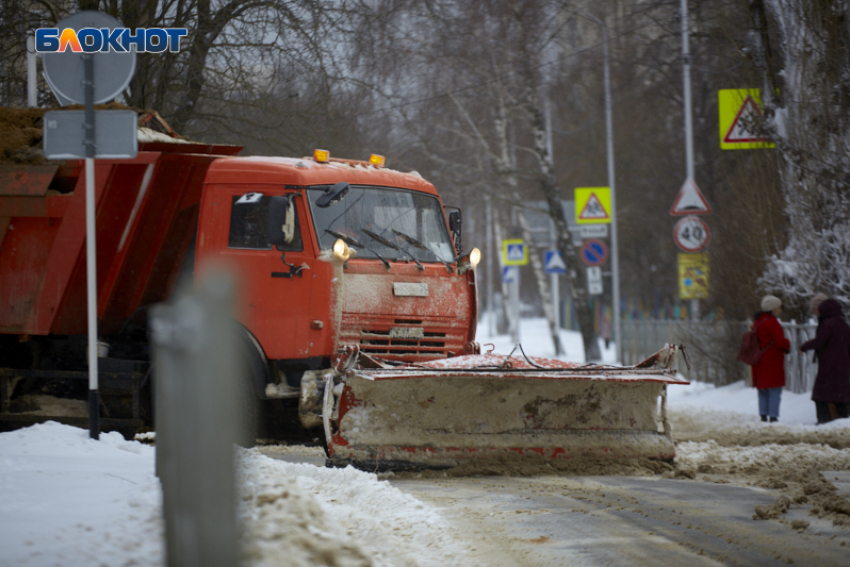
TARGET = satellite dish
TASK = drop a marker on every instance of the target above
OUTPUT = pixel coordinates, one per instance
(112, 70)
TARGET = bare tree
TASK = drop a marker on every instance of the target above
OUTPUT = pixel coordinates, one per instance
(237, 54)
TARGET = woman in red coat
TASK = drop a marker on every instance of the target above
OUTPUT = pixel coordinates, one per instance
(831, 393)
(769, 372)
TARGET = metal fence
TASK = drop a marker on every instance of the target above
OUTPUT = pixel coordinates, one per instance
(713, 346)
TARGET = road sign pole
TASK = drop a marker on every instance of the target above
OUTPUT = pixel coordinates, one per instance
(686, 81)
(62, 73)
(32, 76)
(615, 250)
(491, 263)
(515, 334)
(689, 127)
(556, 299)
(91, 246)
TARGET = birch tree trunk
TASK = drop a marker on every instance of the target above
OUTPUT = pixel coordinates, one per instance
(505, 167)
(576, 275)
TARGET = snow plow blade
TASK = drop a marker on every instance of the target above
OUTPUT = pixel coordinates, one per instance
(490, 410)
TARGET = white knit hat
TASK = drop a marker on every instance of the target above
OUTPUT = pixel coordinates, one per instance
(770, 302)
(817, 300)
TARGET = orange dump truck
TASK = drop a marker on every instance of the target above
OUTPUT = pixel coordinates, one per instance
(358, 310)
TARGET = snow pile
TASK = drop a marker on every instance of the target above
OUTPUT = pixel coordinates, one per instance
(320, 516)
(711, 456)
(66, 499)
(721, 439)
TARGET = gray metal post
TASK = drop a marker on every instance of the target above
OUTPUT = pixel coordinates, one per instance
(32, 77)
(615, 249)
(689, 125)
(515, 332)
(197, 389)
(553, 279)
(686, 80)
(491, 263)
(515, 295)
(91, 246)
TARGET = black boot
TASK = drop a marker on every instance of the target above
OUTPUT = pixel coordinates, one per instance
(774, 419)
(764, 418)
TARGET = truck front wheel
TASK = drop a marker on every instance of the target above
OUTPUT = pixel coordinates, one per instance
(251, 366)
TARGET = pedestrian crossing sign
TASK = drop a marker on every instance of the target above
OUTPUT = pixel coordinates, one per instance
(514, 252)
(593, 205)
(553, 263)
(510, 274)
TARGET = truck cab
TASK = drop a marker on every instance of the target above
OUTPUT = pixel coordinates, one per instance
(335, 253)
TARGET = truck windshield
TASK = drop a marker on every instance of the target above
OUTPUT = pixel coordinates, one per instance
(412, 223)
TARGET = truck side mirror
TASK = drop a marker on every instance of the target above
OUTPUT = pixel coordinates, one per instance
(455, 222)
(333, 195)
(281, 220)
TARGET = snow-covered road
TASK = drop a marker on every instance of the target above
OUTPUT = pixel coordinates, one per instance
(635, 521)
(68, 500)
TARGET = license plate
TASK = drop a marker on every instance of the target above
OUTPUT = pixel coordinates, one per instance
(408, 289)
(407, 333)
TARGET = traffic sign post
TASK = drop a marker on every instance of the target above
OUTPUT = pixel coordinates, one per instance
(740, 116)
(112, 70)
(691, 234)
(514, 252)
(87, 78)
(553, 263)
(115, 132)
(594, 252)
(593, 205)
(690, 200)
(594, 280)
(693, 276)
(593, 231)
(510, 274)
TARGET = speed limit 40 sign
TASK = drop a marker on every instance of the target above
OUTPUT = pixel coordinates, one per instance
(691, 234)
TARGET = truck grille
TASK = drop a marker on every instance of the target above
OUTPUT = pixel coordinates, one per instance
(379, 338)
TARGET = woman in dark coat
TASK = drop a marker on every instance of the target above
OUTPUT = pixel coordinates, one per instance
(769, 372)
(831, 344)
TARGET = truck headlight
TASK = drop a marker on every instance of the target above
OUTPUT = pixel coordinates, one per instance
(341, 251)
(474, 257)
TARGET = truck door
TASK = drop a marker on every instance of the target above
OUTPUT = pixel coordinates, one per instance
(277, 281)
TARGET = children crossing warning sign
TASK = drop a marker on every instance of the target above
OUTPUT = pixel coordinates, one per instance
(741, 119)
(593, 205)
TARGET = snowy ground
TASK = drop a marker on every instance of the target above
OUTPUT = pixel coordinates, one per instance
(68, 500)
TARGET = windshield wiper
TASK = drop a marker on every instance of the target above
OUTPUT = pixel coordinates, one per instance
(412, 241)
(386, 242)
(354, 242)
